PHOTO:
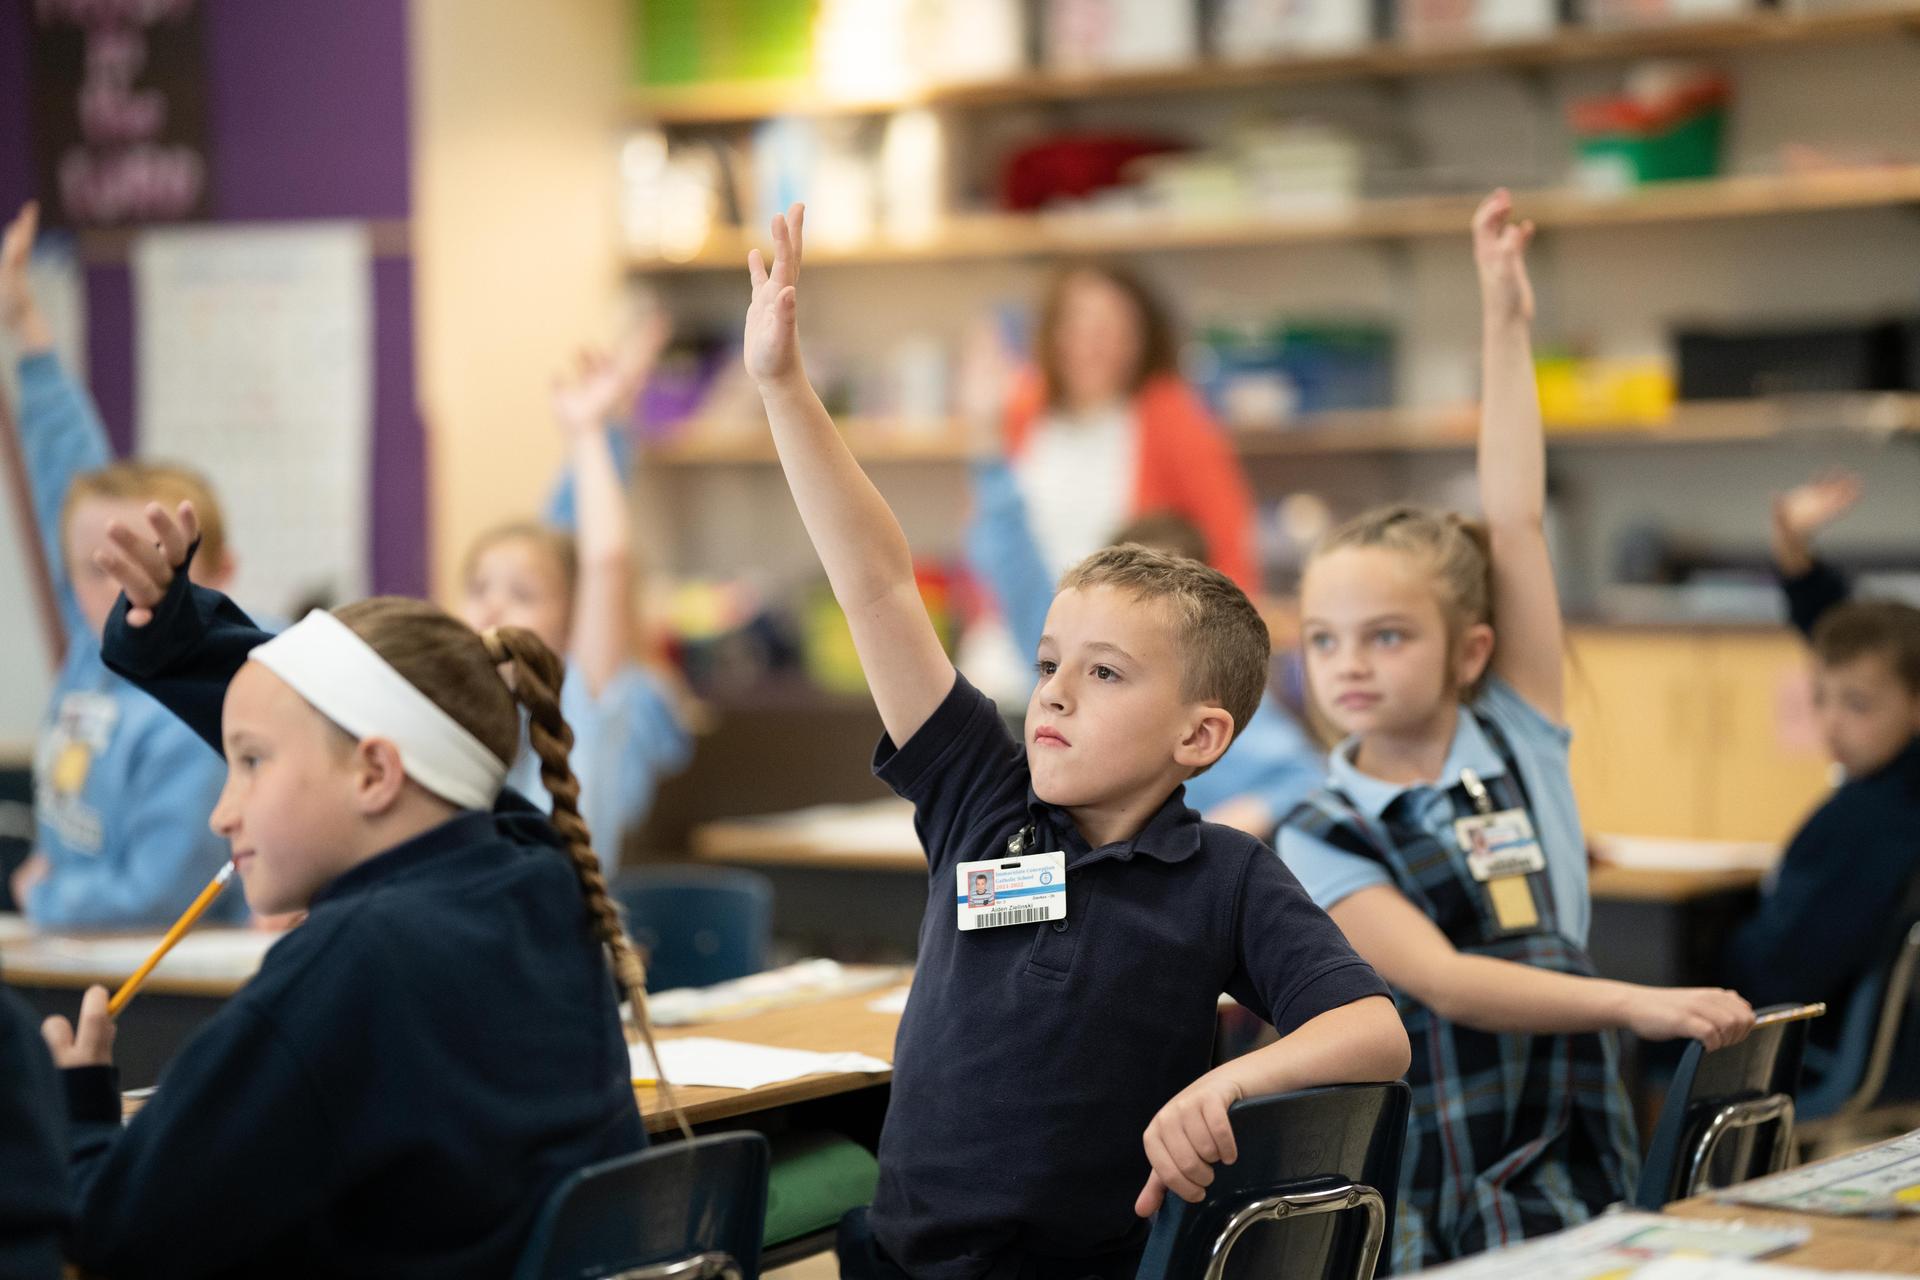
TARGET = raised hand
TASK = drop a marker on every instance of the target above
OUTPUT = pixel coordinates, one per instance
(145, 563)
(1500, 252)
(602, 384)
(19, 312)
(1804, 510)
(772, 340)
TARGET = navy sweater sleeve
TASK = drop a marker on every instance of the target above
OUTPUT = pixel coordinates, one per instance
(185, 657)
(1843, 869)
(1813, 593)
(33, 1181)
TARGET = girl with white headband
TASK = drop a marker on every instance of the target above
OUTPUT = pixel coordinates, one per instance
(417, 1064)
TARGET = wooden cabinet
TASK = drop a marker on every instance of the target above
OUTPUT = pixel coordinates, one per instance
(1697, 733)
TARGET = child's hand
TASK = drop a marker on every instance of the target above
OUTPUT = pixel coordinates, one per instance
(25, 876)
(772, 345)
(1187, 1138)
(1711, 1015)
(602, 385)
(18, 310)
(91, 1045)
(1500, 251)
(145, 566)
(1801, 512)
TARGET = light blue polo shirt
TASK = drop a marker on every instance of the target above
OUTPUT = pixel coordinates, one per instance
(1540, 746)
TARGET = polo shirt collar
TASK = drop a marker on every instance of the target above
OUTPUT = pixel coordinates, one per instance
(1371, 796)
(462, 831)
(1171, 835)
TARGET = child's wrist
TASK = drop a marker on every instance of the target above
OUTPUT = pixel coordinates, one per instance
(791, 385)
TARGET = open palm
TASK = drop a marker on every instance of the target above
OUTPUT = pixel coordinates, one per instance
(772, 341)
(1810, 507)
(1500, 251)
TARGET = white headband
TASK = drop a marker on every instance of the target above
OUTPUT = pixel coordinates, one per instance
(353, 686)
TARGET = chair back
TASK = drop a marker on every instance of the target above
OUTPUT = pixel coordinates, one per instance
(697, 925)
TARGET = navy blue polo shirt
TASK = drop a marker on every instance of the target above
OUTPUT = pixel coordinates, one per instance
(1032, 1057)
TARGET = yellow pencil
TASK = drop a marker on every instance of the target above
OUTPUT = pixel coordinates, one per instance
(179, 931)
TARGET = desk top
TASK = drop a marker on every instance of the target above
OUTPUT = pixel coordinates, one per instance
(1838, 1244)
(828, 1026)
(1645, 884)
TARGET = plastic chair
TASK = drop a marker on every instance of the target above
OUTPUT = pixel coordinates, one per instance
(698, 925)
(1729, 1114)
(1878, 1025)
(1310, 1198)
(680, 1211)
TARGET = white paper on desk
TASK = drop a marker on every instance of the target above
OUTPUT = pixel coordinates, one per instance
(1734, 1269)
(786, 987)
(1617, 1245)
(735, 1064)
(14, 927)
(878, 826)
(894, 1001)
(255, 365)
(1878, 1181)
(216, 955)
(1646, 853)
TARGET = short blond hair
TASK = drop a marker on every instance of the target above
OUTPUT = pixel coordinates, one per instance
(163, 482)
(1222, 640)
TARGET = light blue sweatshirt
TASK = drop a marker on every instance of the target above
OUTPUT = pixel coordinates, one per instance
(625, 739)
(1271, 758)
(122, 789)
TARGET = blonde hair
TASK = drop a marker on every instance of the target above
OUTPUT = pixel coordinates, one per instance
(162, 482)
(1456, 549)
(557, 544)
(459, 670)
(1221, 637)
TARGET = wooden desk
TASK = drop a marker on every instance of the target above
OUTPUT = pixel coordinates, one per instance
(1838, 1244)
(843, 1024)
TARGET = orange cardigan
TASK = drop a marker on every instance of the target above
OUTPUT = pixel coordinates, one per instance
(1187, 467)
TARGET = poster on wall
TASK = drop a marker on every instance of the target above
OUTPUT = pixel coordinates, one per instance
(254, 356)
(119, 105)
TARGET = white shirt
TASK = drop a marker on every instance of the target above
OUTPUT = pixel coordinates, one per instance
(1077, 475)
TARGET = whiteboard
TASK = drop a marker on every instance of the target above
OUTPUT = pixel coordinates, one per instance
(254, 350)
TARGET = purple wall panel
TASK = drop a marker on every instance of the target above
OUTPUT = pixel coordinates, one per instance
(16, 108)
(399, 535)
(110, 364)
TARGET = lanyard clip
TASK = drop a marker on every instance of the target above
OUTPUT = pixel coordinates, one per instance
(1476, 791)
(1020, 841)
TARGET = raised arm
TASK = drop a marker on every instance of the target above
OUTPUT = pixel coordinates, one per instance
(1811, 585)
(179, 642)
(583, 404)
(1513, 465)
(859, 542)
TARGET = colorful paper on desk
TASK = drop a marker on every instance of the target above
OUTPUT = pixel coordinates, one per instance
(735, 1064)
(1617, 1246)
(1734, 1269)
(1877, 1181)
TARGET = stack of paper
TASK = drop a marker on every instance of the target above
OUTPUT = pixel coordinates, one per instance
(214, 954)
(1876, 1181)
(1646, 853)
(1616, 1246)
(796, 984)
(734, 1064)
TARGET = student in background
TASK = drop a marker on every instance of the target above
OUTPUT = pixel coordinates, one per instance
(121, 789)
(1094, 1030)
(576, 593)
(33, 1174)
(1108, 431)
(415, 1066)
(1848, 872)
(1520, 1124)
(1273, 765)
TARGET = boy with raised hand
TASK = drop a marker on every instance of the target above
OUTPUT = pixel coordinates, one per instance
(1051, 1081)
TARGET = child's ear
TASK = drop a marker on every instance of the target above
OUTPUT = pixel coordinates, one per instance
(1206, 739)
(1475, 651)
(378, 775)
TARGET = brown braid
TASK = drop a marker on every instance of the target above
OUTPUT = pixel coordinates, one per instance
(535, 680)
(443, 658)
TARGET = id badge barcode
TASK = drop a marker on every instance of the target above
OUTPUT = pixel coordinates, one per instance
(1015, 915)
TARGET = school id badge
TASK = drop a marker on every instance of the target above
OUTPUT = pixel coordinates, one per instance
(1027, 889)
(1502, 851)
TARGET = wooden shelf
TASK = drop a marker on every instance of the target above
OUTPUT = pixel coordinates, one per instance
(981, 236)
(1371, 431)
(731, 103)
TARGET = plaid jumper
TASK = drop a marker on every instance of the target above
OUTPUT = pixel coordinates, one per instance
(1512, 1135)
